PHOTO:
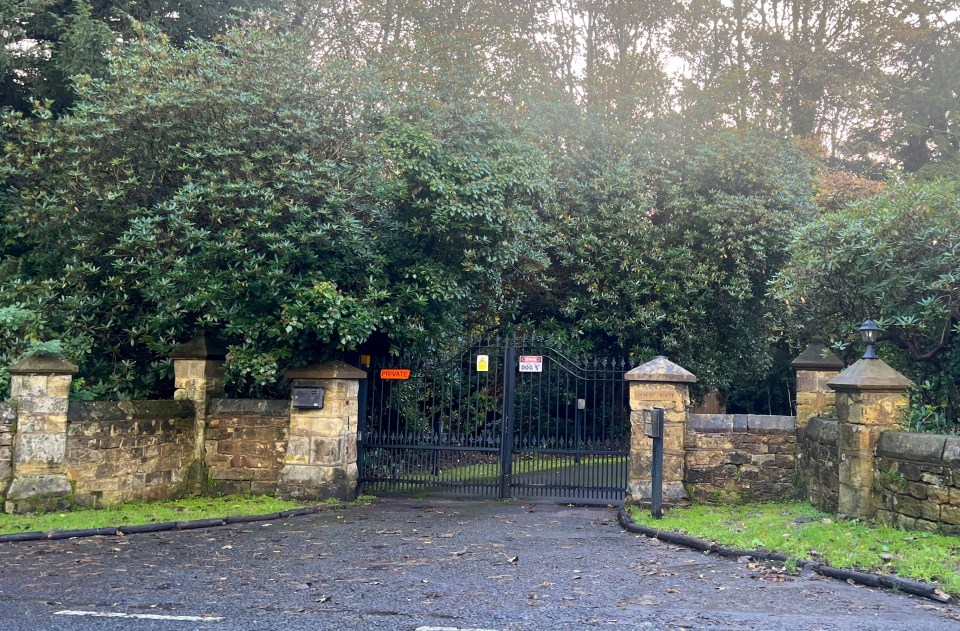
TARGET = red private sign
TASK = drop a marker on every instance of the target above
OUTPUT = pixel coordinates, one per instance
(395, 373)
(531, 363)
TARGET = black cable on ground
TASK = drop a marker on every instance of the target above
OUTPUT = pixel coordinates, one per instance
(863, 578)
(167, 525)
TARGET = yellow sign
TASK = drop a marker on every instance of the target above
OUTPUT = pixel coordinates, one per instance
(483, 363)
(364, 360)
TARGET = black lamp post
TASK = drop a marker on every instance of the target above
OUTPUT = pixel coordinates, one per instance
(869, 332)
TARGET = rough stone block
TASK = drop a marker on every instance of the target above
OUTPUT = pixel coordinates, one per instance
(854, 501)
(673, 467)
(43, 406)
(906, 505)
(327, 451)
(824, 431)
(48, 449)
(350, 441)
(299, 449)
(306, 474)
(763, 460)
(263, 487)
(806, 382)
(856, 472)
(736, 457)
(930, 510)
(748, 472)
(704, 458)
(24, 386)
(58, 386)
(303, 425)
(910, 471)
(231, 473)
(950, 515)
(37, 486)
(699, 475)
(857, 439)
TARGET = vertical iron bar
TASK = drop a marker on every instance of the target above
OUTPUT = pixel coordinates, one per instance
(509, 392)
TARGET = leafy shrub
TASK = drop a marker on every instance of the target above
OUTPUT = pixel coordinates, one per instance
(895, 258)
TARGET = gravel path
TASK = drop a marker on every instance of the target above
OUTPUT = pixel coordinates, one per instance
(418, 564)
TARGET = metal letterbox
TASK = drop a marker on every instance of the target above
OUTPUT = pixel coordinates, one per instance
(653, 422)
(308, 397)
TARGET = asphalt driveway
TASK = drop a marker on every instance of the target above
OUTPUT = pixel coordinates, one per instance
(427, 564)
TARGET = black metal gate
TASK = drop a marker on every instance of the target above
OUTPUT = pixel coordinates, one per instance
(499, 418)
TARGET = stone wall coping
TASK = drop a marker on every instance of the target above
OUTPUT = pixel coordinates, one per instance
(43, 364)
(660, 369)
(870, 374)
(771, 423)
(334, 369)
(711, 423)
(718, 423)
(252, 407)
(817, 357)
(912, 446)
(106, 411)
(823, 430)
(200, 347)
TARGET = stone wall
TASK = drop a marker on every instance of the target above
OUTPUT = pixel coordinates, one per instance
(917, 481)
(122, 451)
(818, 462)
(741, 456)
(8, 418)
(245, 444)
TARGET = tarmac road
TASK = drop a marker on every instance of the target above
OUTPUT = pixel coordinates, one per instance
(427, 564)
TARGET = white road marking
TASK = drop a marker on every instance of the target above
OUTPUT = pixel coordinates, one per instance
(451, 629)
(139, 616)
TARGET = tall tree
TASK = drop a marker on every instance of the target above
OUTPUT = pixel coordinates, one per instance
(46, 42)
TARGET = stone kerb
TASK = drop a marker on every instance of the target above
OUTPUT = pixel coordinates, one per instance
(321, 457)
(40, 390)
(658, 383)
(815, 367)
(871, 397)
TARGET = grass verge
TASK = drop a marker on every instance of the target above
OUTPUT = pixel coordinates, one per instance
(147, 513)
(799, 530)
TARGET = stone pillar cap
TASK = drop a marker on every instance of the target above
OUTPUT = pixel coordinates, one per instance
(200, 347)
(870, 374)
(333, 369)
(43, 364)
(817, 357)
(660, 369)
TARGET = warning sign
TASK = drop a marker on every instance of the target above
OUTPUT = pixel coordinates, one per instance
(395, 373)
(483, 363)
(531, 363)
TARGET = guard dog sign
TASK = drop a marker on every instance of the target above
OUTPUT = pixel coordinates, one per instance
(531, 363)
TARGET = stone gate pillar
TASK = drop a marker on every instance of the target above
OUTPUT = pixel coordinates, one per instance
(40, 389)
(658, 383)
(321, 458)
(871, 397)
(815, 366)
(198, 377)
